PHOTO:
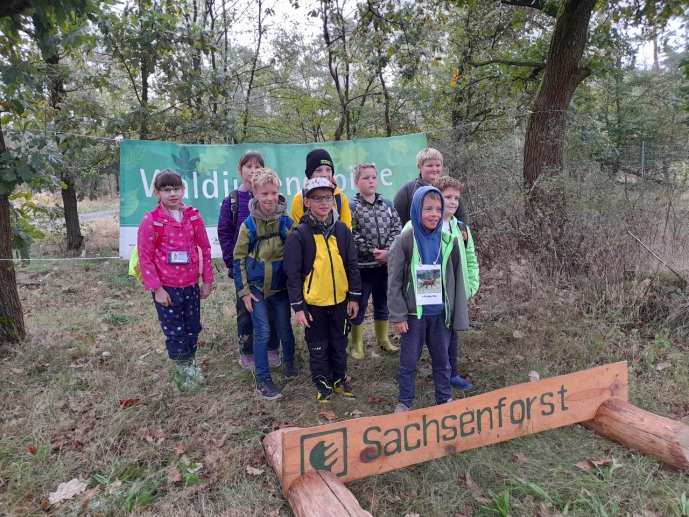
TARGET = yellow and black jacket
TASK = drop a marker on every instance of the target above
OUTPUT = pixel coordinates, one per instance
(321, 264)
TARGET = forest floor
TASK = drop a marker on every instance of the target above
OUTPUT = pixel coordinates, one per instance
(89, 396)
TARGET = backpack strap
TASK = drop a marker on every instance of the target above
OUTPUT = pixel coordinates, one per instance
(234, 209)
(464, 232)
(255, 239)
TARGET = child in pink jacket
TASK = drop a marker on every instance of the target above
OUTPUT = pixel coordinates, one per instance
(169, 259)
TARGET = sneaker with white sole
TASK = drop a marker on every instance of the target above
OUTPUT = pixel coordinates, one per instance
(268, 389)
(401, 408)
(247, 361)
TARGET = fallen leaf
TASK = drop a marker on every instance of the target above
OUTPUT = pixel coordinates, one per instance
(67, 491)
(665, 364)
(330, 415)
(503, 475)
(195, 469)
(534, 376)
(475, 490)
(129, 402)
(253, 471)
(42, 366)
(269, 486)
(519, 456)
(411, 515)
(174, 475)
(87, 496)
(518, 357)
(179, 448)
(586, 464)
(544, 511)
(394, 499)
(219, 442)
(31, 449)
(45, 506)
(274, 513)
(374, 399)
(602, 463)
(373, 354)
(151, 435)
(355, 413)
(17, 370)
(518, 334)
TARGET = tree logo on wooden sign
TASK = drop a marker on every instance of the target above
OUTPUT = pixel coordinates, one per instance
(325, 451)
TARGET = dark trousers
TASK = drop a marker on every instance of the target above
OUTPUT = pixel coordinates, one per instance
(245, 329)
(181, 321)
(327, 342)
(452, 353)
(374, 281)
(432, 331)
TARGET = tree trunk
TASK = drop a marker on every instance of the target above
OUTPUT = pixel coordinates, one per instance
(11, 316)
(69, 200)
(69, 195)
(545, 134)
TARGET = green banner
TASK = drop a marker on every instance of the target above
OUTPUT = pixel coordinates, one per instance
(210, 173)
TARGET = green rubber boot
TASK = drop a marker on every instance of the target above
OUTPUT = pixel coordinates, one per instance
(382, 336)
(356, 345)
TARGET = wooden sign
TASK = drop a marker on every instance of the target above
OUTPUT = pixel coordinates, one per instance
(357, 448)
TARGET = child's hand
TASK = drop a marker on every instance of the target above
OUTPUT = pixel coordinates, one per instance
(162, 297)
(206, 290)
(401, 327)
(381, 256)
(247, 301)
(352, 309)
(302, 321)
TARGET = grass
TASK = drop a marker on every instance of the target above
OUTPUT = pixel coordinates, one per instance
(89, 395)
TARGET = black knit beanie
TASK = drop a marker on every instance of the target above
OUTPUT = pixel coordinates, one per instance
(315, 159)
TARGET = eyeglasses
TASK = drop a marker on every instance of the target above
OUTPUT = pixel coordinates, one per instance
(170, 190)
(320, 199)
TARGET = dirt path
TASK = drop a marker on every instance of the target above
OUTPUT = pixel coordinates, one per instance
(95, 216)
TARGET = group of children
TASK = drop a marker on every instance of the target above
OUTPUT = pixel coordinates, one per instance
(323, 261)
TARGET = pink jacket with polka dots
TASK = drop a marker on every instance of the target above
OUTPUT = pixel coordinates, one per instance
(155, 269)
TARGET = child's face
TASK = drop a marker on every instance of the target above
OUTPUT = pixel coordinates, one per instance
(246, 171)
(367, 182)
(320, 208)
(170, 197)
(431, 170)
(431, 213)
(451, 196)
(268, 197)
(324, 171)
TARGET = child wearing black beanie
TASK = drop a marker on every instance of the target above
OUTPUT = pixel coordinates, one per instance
(319, 164)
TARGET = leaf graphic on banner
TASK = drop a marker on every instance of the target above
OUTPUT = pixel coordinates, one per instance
(130, 203)
(349, 154)
(397, 150)
(212, 159)
(186, 164)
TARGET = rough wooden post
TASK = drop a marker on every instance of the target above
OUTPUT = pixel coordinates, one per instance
(315, 494)
(664, 439)
(320, 494)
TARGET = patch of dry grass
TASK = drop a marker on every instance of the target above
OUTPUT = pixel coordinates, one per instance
(95, 347)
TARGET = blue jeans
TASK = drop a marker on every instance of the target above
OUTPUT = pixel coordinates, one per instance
(245, 330)
(374, 281)
(278, 307)
(432, 331)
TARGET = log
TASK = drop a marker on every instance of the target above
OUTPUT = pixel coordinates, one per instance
(320, 494)
(272, 443)
(664, 439)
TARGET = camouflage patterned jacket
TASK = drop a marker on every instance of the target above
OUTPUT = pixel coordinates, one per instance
(374, 226)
